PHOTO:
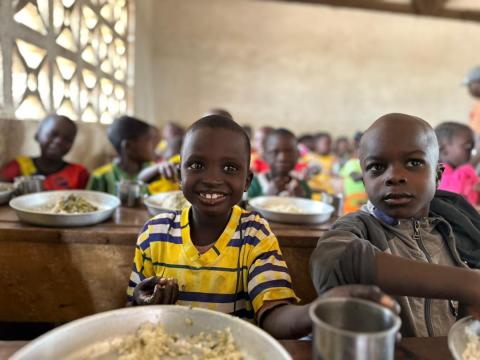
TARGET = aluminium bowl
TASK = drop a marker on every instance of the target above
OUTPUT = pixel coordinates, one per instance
(458, 335)
(76, 338)
(313, 212)
(31, 208)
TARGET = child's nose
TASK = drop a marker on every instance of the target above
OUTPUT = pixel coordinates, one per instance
(395, 176)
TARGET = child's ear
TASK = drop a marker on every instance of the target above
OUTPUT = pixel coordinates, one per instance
(124, 146)
(438, 174)
(249, 180)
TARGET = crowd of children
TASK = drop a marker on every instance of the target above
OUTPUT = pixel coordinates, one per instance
(410, 227)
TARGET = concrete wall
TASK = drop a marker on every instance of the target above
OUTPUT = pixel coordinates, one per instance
(306, 67)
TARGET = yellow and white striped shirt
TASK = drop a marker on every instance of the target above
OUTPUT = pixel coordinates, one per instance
(237, 275)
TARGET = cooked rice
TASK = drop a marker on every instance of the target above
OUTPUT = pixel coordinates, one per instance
(152, 342)
(472, 351)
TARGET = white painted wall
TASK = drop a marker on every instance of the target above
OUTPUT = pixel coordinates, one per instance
(306, 67)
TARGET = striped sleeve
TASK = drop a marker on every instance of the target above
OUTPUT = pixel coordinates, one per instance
(268, 276)
(142, 261)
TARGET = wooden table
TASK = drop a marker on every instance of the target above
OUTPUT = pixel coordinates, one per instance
(407, 349)
(56, 275)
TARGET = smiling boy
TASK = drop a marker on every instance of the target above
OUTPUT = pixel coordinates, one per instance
(409, 240)
(214, 254)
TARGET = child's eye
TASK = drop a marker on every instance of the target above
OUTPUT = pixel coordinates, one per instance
(195, 166)
(415, 163)
(375, 168)
(230, 168)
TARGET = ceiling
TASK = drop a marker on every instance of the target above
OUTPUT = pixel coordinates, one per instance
(454, 9)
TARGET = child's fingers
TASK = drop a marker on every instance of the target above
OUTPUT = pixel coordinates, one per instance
(169, 291)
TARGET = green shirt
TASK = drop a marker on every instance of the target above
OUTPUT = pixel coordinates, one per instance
(105, 178)
(349, 184)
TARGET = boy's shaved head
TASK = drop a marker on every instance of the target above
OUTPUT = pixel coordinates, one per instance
(399, 160)
(401, 125)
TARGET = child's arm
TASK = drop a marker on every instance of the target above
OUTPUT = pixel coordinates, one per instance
(164, 169)
(293, 321)
(398, 276)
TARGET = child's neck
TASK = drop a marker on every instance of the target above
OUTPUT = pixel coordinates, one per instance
(131, 167)
(48, 166)
(204, 229)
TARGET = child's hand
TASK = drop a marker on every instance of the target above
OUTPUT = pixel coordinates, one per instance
(295, 189)
(168, 171)
(365, 292)
(277, 185)
(155, 290)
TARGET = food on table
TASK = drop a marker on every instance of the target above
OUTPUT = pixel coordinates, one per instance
(72, 204)
(175, 201)
(5, 187)
(472, 351)
(283, 207)
(153, 342)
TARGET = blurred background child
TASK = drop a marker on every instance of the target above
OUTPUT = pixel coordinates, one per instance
(472, 81)
(281, 155)
(342, 152)
(135, 142)
(353, 188)
(55, 136)
(456, 143)
(257, 164)
(321, 164)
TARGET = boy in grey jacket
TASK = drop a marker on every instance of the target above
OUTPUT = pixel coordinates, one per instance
(410, 241)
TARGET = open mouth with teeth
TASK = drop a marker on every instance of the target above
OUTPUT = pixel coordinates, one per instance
(212, 198)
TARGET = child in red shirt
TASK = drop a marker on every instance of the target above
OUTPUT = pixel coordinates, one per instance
(55, 136)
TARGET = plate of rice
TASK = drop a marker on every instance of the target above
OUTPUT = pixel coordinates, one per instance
(292, 210)
(464, 339)
(155, 332)
(166, 201)
(65, 207)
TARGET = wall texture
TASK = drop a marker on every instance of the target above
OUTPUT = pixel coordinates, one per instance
(306, 67)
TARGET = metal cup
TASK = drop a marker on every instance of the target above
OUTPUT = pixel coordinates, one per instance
(353, 329)
(28, 184)
(130, 192)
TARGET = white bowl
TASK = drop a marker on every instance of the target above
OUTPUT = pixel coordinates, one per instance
(155, 203)
(5, 194)
(458, 335)
(75, 338)
(30, 208)
(312, 211)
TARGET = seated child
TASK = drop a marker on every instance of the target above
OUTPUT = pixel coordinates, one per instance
(342, 153)
(456, 143)
(321, 162)
(55, 135)
(410, 241)
(162, 176)
(214, 254)
(353, 188)
(281, 154)
(257, 162)
(135, 142)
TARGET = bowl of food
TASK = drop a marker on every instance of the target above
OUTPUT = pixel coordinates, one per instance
(155, 332)
(464, 339)
(6, 191)
(65, 207)
(292, 210)
(166, 201)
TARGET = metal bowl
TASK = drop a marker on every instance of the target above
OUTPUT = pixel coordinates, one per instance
(30, 208)
(458, 335)
(313, 212)
(6, 191)
(73, 339)
(156, 203)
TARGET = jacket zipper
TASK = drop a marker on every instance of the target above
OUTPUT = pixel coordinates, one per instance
(427, 310)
